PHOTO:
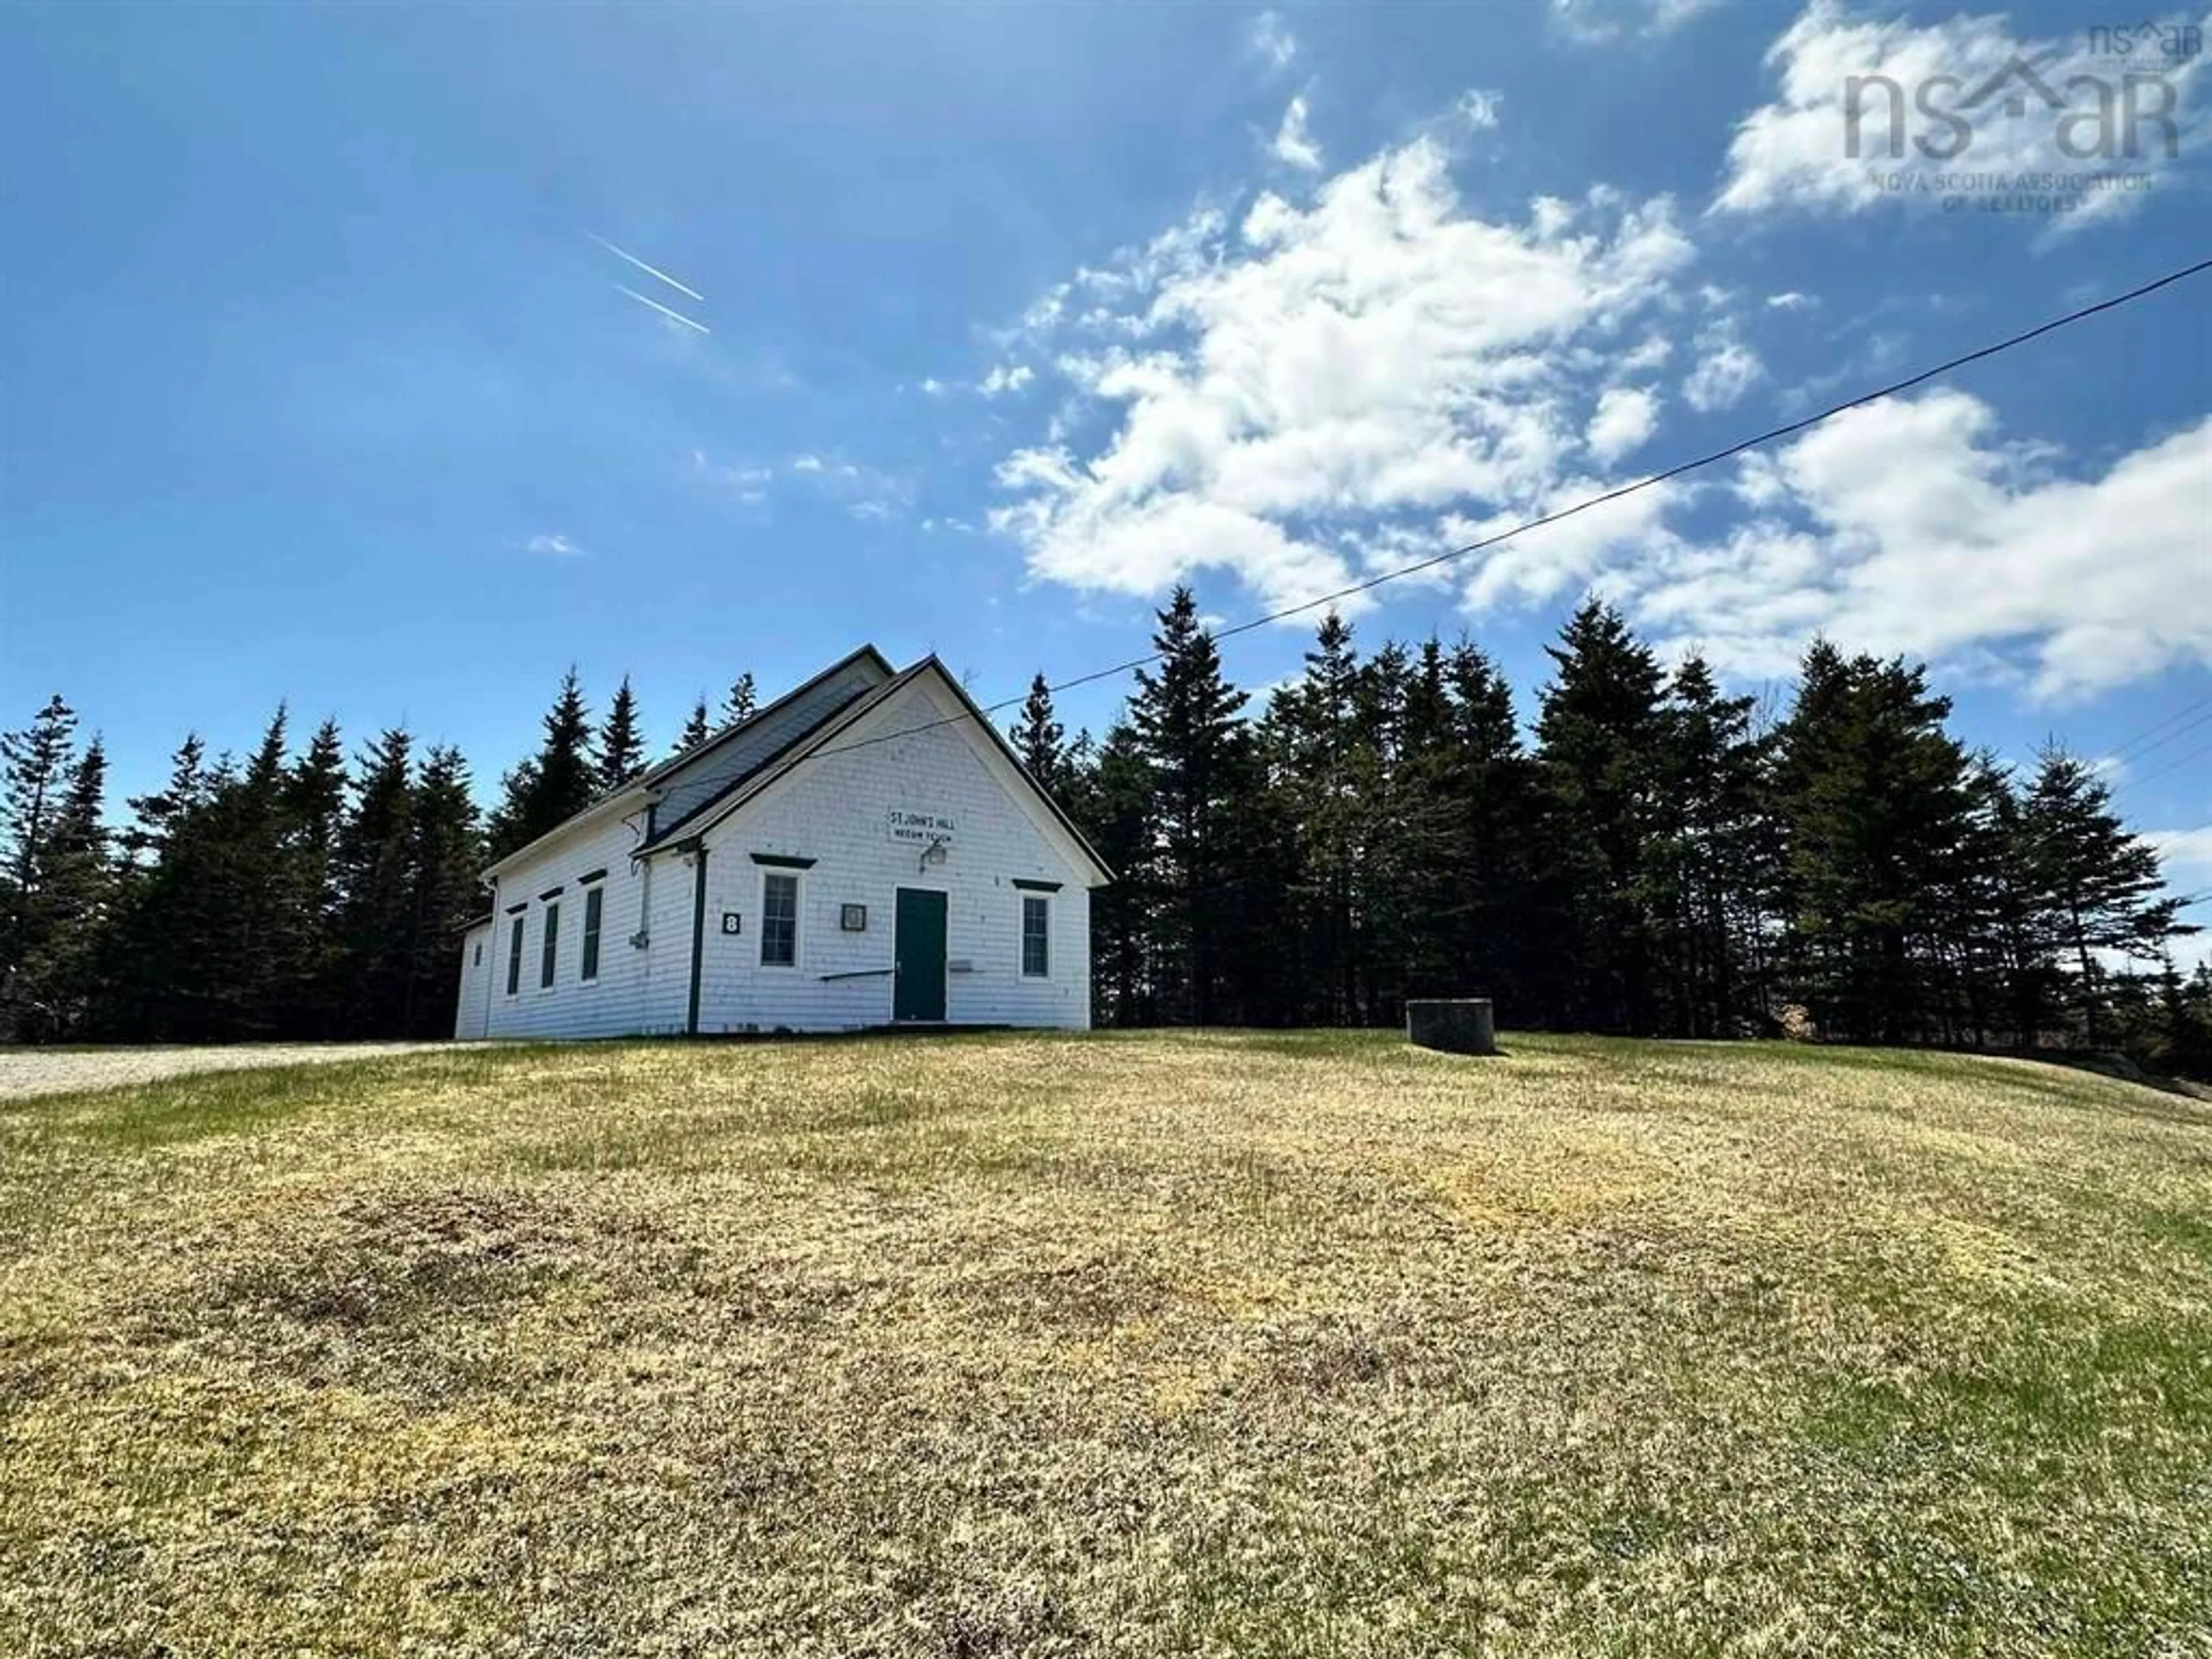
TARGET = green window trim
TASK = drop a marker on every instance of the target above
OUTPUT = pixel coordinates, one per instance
(515, 956)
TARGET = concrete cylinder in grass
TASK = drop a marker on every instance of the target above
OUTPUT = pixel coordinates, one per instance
(1457, 1026)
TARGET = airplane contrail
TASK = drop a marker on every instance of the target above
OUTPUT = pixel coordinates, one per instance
(648, 269)
(673, 316)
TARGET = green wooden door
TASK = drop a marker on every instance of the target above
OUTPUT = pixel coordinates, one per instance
(918, 955)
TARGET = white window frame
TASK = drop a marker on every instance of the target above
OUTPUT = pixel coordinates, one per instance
(518, 945)
(1022, 935)
(768, 872)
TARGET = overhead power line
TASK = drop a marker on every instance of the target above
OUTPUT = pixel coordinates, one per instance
(2177, 763)
(2178, 732)
(2123, 750)
(1772, 434)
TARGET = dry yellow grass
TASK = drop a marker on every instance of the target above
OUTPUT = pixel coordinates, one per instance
(1142, 1345)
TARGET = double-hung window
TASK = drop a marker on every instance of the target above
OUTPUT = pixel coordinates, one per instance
(1036, 936)
(514, 957)
(594, 909)
(779, 920)
(550, 951)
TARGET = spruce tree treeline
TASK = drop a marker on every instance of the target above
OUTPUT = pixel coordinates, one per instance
(1652, 857)
(287, 895)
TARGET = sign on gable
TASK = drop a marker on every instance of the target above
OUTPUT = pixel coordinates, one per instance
(922, 828)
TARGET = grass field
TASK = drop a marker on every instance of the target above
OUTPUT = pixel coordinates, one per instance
(1148, 1343)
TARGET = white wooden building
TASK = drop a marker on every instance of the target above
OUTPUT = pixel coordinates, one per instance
(864, 850)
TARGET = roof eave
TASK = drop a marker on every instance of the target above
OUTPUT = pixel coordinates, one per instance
(634, 794)
(645, 786)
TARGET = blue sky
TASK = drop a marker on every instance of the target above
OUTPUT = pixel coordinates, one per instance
(316, 381)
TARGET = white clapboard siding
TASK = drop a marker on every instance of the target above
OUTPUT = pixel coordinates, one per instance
(476, 982)
(619, 1000)
(836, 810)
(833, 809)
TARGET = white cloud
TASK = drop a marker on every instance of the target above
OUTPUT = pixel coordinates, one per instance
(750, 483)
(1272, 40)
(1911, 526)
(1298, 394)
(1313, 373)
(1479, 107)
(1626, 416)
(1005, 378)
(1726, 369)
(1652, 353)
(1294, 145)
(1564, 558)
(1792, 301)
(1593, 22)
(934, 387)
(554, 547)
(865, 492)
(1793, 152)
(2184, 855)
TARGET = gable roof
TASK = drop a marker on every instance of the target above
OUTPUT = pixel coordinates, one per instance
(711, 810)
(653, 775)
(818, 740)
(648, 786)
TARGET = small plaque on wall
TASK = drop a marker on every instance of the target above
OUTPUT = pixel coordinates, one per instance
(853, 918)
(732, 922)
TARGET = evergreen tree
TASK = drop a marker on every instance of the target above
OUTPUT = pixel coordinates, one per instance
(1877, 805)
(380, 923)
(446, 854)
(155, 816)
(1426, 818)
(2189, 1024)
(1608, 829)
(740, 704)
(142, 960)
(621, 754)
(1996, 977)
(220, 940)
(1713, 772)
(554, 785)
(1039, 741)
(1113, 803)
(1325, 770)
(35, 770)
(314, 799)
(1199, 754)
(75, 887)
(696, 730)
(1488, 785)
(1399, 832)
(2095, 887)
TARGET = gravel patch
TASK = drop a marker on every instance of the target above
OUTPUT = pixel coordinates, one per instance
(26, 1072)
